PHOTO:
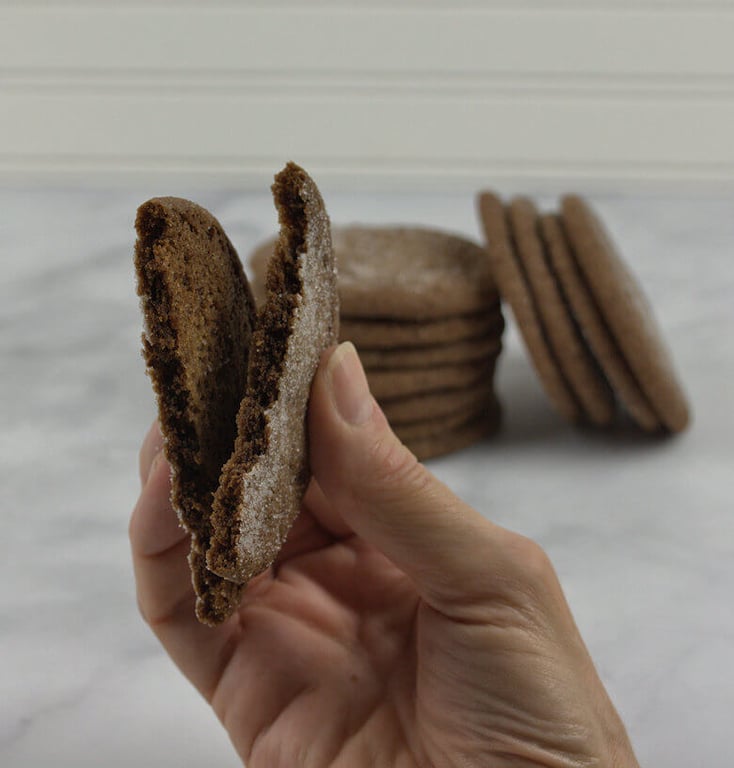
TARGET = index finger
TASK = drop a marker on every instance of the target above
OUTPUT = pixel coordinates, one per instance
(164, 590)
(151, 447)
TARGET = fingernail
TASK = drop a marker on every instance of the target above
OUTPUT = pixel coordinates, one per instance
(349, 387)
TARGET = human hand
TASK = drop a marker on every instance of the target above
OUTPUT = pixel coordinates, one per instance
(397, 628)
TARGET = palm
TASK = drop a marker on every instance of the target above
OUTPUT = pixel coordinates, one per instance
(325, 663)
(338, 662)
(334, 660)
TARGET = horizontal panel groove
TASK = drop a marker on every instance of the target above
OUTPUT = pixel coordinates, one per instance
(244, 170)
(388, 5)
(388, 84)
(409, 88)
(455, 130)
(486, 41)
(463, 165)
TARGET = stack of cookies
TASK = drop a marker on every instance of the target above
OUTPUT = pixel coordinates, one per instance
(587, 325)
(423, 311)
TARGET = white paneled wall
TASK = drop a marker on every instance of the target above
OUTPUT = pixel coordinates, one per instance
(610, 93)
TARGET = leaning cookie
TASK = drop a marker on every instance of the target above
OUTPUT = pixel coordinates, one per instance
(627, 314)
(199, 317)
(262, 484)
(503, 256)
(564, 340)
(592, 323)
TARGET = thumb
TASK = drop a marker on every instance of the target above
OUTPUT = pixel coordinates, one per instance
(392, 501)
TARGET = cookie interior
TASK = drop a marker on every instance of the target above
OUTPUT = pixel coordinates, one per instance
(199, 315)
(262, 483)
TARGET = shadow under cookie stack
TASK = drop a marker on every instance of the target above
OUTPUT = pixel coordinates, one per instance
(423, 311)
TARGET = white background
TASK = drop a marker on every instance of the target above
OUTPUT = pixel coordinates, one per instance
(609, 95)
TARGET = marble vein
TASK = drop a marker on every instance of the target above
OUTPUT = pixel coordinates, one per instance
(641, 532)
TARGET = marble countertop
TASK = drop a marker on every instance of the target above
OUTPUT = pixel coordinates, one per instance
(641, 532)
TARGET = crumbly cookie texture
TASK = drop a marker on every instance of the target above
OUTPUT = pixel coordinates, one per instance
(199, 317)
(263, 483)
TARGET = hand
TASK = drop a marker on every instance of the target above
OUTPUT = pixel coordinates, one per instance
(398, 627)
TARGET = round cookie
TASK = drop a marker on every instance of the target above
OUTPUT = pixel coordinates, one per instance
(405, 410)
(412, 381)
(483, 348)
(513, 289)
(562, 335)
(626, 313)
(433, 446)
(593, 326)
(262, 484)
(412, 273)
(389, 334)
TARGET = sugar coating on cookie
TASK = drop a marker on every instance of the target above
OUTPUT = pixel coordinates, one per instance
(263, 483)
(399, 272)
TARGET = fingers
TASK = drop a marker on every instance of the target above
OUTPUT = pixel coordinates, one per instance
(448, 549)
(324, 513)
(151, 447)
(163, 579)
(317, 526)
(154, 526)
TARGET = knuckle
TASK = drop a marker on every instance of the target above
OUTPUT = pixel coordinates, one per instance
(141, 609)
(534, 560)
(532, 570)
(133, 527)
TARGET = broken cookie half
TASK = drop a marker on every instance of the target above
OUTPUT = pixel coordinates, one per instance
(233, 386)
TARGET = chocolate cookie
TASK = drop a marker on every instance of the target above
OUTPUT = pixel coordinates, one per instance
(388, 334)
(199, 317)
(626, 314)
(482, 348)
(411, 273)
(440, 425)
(472, 432)
(262, 484)
(560, 332)
(514, 289)
(385, 384)
(411, 408)
(593, 326)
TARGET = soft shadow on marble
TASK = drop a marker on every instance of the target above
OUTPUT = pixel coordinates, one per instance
(641, 531)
